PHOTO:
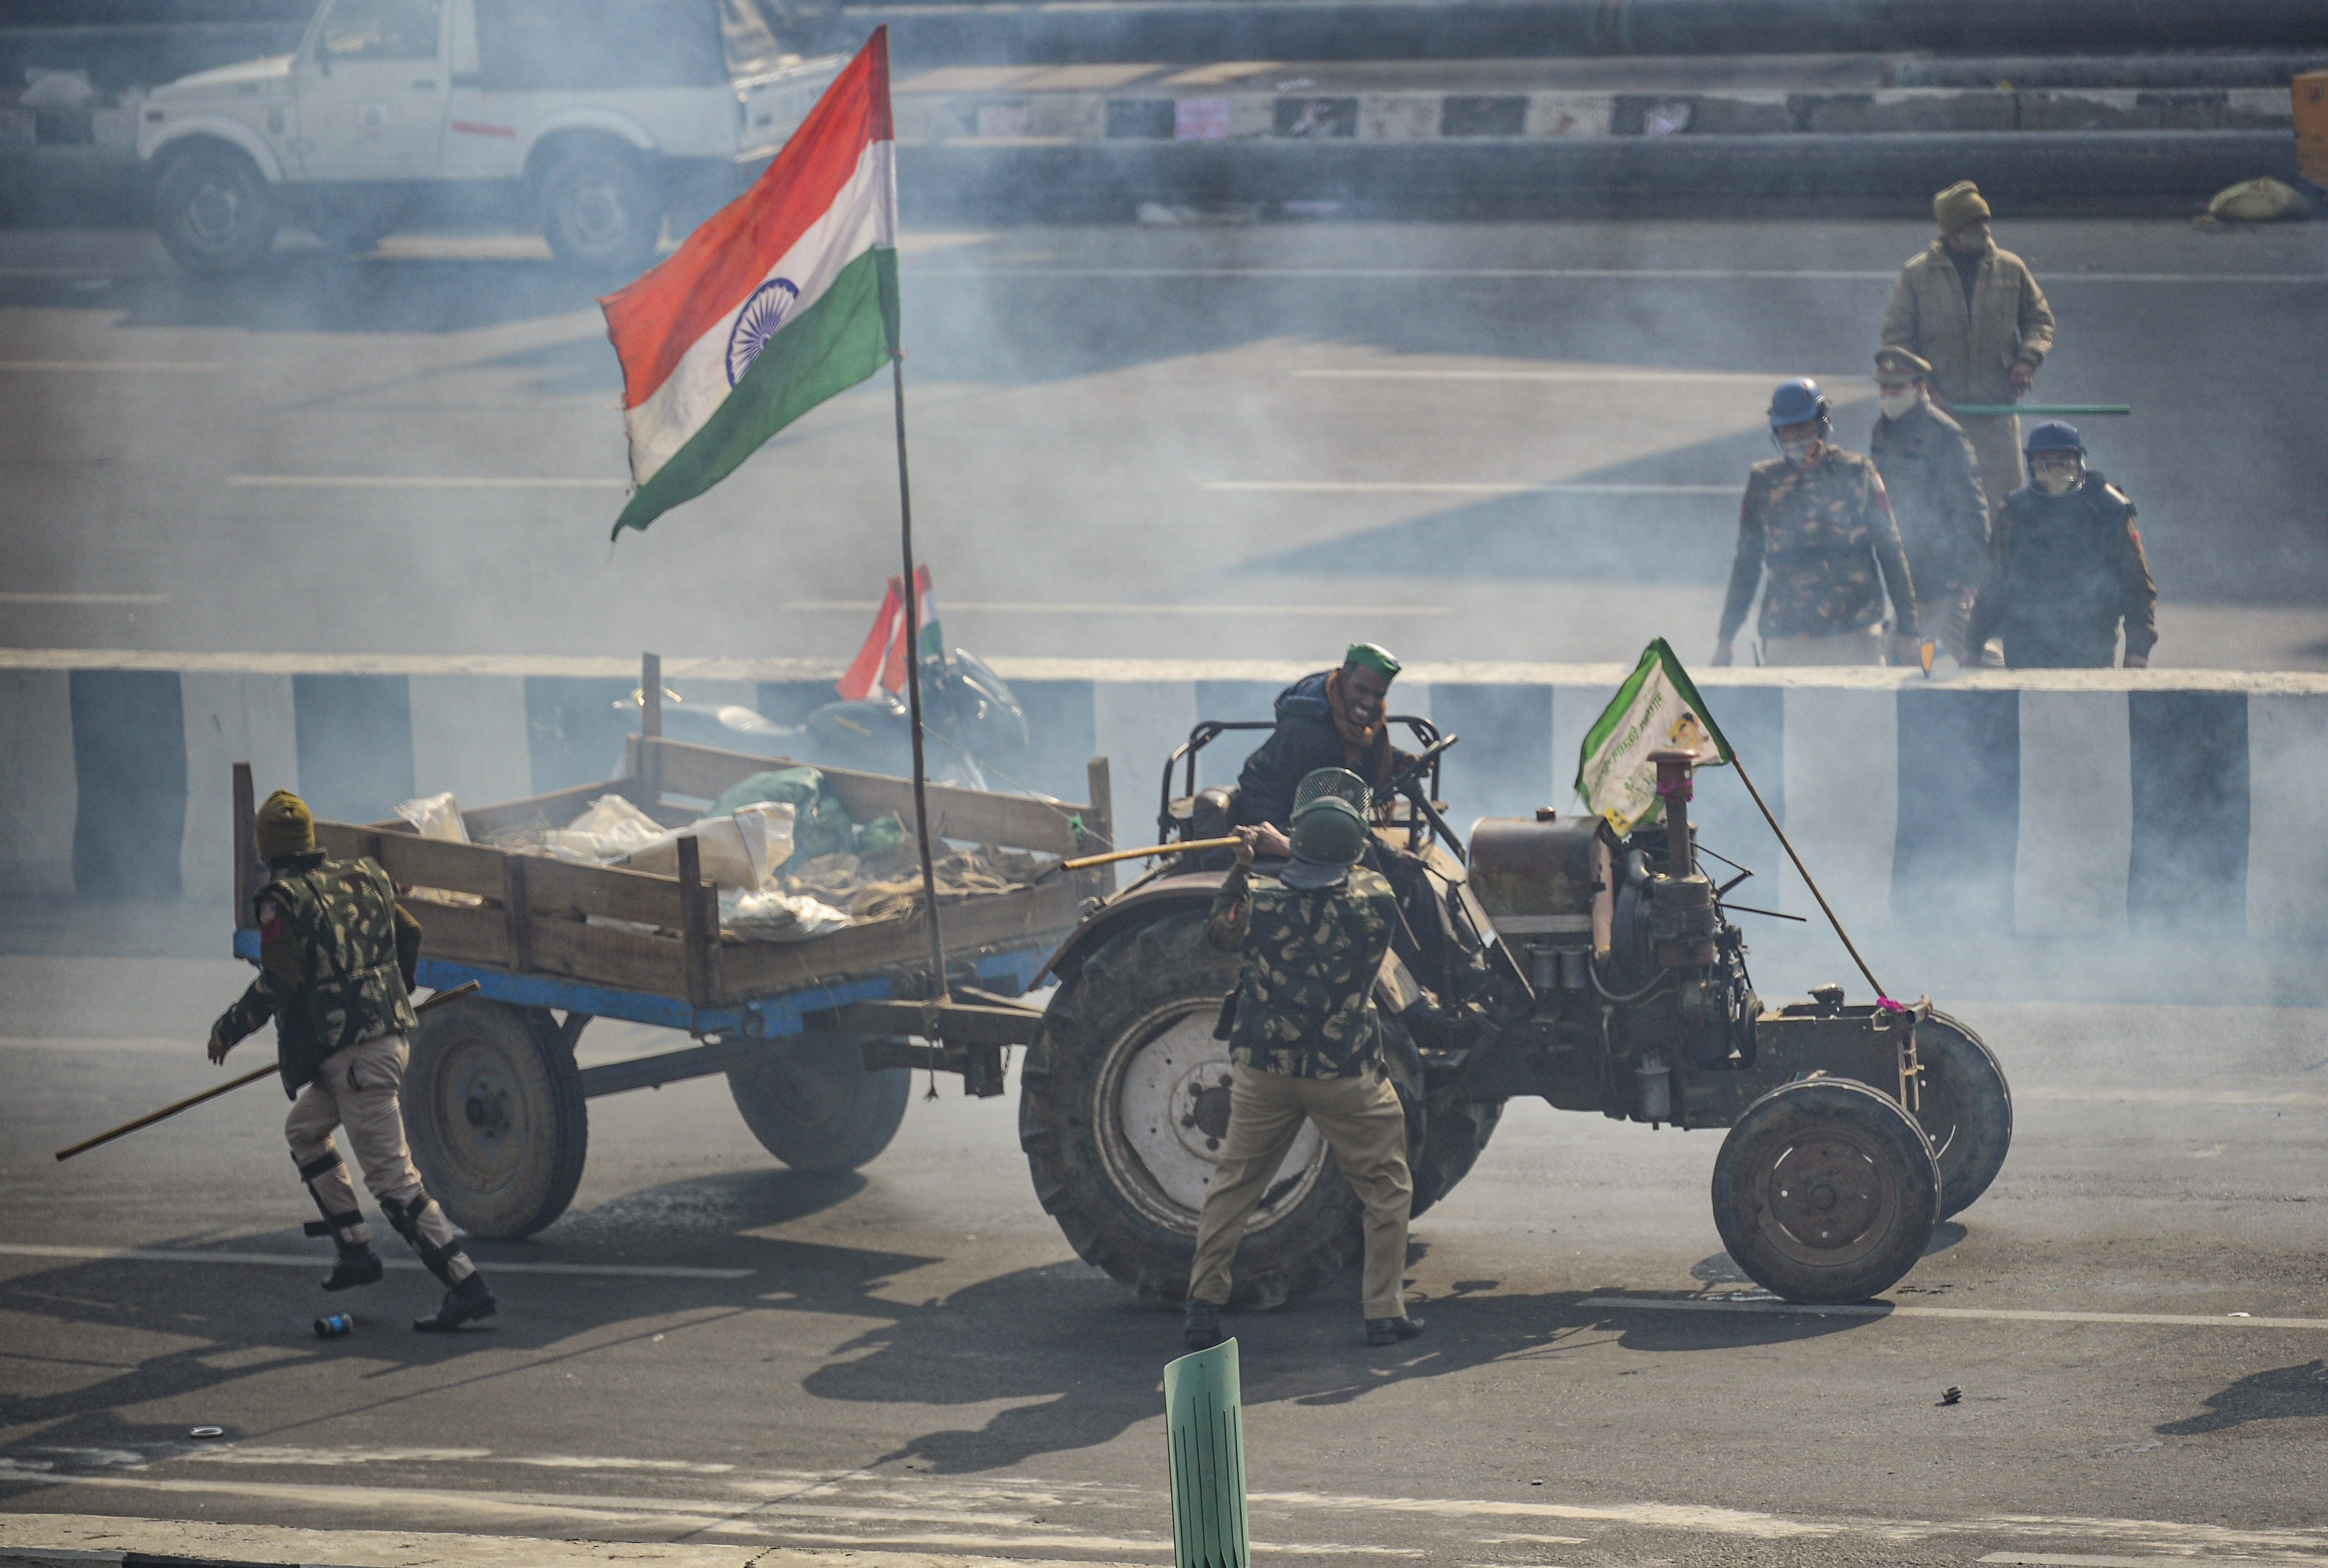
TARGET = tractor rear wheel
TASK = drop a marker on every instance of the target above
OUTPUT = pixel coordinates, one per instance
(1967, 1109)
(1123, 1107)
(1825, 1191)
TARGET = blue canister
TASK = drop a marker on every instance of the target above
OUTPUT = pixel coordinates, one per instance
(332, 1326)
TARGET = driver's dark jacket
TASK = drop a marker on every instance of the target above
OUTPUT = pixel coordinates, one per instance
(1304, 1004)
(1304, 741)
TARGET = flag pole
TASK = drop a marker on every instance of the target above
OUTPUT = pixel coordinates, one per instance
(1788, 844)
(914, 689)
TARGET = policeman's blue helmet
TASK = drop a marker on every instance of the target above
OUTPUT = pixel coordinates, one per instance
(2054, 436)
(1797, 402)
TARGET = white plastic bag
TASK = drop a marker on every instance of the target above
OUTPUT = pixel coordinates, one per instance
(767, 829)
(776, 917)
(436, 816)
(611, 828)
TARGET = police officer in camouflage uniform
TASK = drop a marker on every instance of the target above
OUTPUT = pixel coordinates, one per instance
(1817, 518)
(336, 957)
(2066, 566)
(1305, 1041)
(1933, 478)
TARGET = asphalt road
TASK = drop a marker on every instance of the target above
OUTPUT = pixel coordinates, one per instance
(911, 1357)
(1517, 441)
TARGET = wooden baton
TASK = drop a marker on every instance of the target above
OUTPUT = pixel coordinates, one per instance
(1112, 855)
(191, 1101)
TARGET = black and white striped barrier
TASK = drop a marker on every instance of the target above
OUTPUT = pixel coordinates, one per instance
(2071, 803)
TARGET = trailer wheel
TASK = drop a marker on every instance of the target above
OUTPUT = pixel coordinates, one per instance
(813, 1105)
(1123, 1105)
(1825, 1191)
(1968, 1109)
(493, 1107)
(213, 211)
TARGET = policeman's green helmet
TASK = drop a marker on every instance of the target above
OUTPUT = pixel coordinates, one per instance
(1329, 831)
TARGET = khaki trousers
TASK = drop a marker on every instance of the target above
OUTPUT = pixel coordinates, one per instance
(358, 1089)
(1863, 647)
(1996, 441)
(1360, 1119)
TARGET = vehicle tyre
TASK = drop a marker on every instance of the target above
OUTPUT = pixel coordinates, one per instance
(214, 211)
(813, 1105)
(1457, 1133)
(493, 1108)
(1967, 1109)
(1825, 1191)
(602, 210)
(1123, 1105)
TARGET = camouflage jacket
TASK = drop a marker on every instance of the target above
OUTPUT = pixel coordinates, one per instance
(336, 957)
(1304, 1002)
(1933, 478)
(2064, 572)
(1824, 533)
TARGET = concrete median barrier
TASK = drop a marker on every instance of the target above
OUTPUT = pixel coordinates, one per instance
(2068, 803)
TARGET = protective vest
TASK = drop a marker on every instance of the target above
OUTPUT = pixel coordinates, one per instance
(2065, 585)
(1304, 1005)
(342, 917)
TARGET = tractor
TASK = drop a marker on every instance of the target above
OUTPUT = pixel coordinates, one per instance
(1598, 971)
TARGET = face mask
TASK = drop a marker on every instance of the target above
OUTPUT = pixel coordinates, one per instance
(2055, 482)
(1895, 404)
(1796, 451)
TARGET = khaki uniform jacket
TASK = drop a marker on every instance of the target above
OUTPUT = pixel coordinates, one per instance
(1933, 478)
(1971, 351)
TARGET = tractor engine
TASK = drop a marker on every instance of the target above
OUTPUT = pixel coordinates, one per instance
(1638, 983)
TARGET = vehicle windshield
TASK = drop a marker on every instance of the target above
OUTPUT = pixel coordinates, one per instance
(354, 29)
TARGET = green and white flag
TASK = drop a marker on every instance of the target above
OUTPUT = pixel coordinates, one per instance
(1656, 707)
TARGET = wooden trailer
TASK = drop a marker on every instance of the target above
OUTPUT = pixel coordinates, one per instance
(818, 1038)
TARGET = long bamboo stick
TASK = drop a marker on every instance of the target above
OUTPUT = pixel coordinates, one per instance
(191, 1101)
(1114, 855)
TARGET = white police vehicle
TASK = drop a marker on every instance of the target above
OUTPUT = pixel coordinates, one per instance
(593, 117)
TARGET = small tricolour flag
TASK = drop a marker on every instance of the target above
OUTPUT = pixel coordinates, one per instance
(785, 296)
(880, 663)
(1656, 707)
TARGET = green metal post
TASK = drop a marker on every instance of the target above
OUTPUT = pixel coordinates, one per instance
(1204, 1426)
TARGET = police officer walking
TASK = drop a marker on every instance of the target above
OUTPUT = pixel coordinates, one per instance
(1933, 478)
(1305, 1041)
(336, 957)
(2066, 566)
(1817, 520)
(1975, 312)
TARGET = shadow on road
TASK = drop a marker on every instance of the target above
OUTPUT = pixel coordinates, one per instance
(2282, 1392)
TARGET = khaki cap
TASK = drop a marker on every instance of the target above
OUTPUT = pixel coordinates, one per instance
(1898, 365)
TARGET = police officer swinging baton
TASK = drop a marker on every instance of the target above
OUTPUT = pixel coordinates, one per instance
(188, 1104)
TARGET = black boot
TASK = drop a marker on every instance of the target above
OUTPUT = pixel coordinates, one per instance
(465, 1303)
(358, 1265)
(1201, 1328)
(1390, 1331)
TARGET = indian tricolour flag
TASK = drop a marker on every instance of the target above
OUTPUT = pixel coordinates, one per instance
(784, 297)
(1656, 707)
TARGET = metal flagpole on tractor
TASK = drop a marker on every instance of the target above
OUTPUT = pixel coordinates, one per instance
(914, 701)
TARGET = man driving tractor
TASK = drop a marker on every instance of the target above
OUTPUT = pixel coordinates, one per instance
(1336, 718)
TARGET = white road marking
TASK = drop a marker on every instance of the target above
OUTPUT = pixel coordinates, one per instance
(414, 481)
(990, 607)
(1465, 488)
(131, 365)
(286, 1260)
(2198, 1097)
(1591, 274)
(84, 598)
(2078, 1560)
(1393, 373)
(1986, 1314)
